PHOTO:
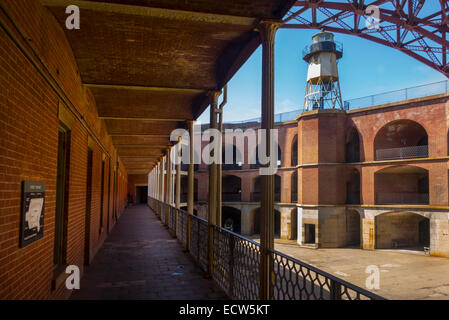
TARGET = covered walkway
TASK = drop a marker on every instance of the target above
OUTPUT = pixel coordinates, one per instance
(140, 260)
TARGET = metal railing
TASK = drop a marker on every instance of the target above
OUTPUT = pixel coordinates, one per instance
(421, 91)
(403, 153)
(233, 262)
(398, 95)
(402, 198)
(231, 196)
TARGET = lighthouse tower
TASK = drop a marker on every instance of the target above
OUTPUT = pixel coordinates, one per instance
(323, 86)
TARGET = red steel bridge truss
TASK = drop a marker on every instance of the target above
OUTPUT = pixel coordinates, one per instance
(418, 28)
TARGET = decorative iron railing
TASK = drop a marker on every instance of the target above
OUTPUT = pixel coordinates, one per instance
(255, 196)
(233, 262)
(403, 153)
(296, 280)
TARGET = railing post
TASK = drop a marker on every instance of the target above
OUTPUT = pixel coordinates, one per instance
(167, 215)
(335, 290)
(231, 266)
(210, 252)
(188, 228)
(175, 225)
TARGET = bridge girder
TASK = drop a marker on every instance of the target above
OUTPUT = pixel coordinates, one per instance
(402, 24)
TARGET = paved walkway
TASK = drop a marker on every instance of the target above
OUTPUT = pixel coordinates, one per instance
(140, 260)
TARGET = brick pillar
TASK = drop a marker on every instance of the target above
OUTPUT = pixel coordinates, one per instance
(368, 234)
(367, 185)
(438, 184)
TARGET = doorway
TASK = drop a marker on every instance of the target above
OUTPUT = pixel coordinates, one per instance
(309, 233)
(141, 195)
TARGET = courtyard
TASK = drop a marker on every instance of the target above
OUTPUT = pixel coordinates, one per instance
(403, 274)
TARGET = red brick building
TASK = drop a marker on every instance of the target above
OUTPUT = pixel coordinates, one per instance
(374, 177)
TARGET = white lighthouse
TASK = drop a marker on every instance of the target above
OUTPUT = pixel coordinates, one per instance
(323, 86)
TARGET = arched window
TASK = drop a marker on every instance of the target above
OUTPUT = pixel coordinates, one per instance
(295, 151)
(231, 219)
(353, 187)
(231, 152)
(184, 189)
(401, 139)
(255, 195)
(277, 222)
(256, 157)
(402, 185)
(352, 149)
(294, 187)
(231, 188)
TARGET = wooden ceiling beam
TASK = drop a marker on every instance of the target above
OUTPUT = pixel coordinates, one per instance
(181, 15)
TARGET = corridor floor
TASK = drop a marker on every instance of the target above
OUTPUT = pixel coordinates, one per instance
(141, 260)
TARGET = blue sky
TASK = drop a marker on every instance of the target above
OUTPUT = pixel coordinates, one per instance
(366, 68)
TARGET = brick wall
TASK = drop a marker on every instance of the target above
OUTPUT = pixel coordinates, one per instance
(30, 111)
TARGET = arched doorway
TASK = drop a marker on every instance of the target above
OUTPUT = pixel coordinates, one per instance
(294, 151)
(353, 187)
(402, 185)
(185, 166)
(231, 158)
(277, 222)
(401, 139)
(352, 147)
(277, 188)
(184, 189)
(294, 187)
(232, 188)
(257, 164)
(395, 230)
(231, 219)
(255, 195)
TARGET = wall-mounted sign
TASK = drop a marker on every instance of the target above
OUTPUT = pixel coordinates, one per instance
(33, 205)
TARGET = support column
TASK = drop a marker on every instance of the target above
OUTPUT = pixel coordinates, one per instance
(191, 174)
(214, 205)
(267, 31)
(161, 180)
(178, 177)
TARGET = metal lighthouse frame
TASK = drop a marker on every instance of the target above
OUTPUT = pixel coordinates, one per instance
(323, 86)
